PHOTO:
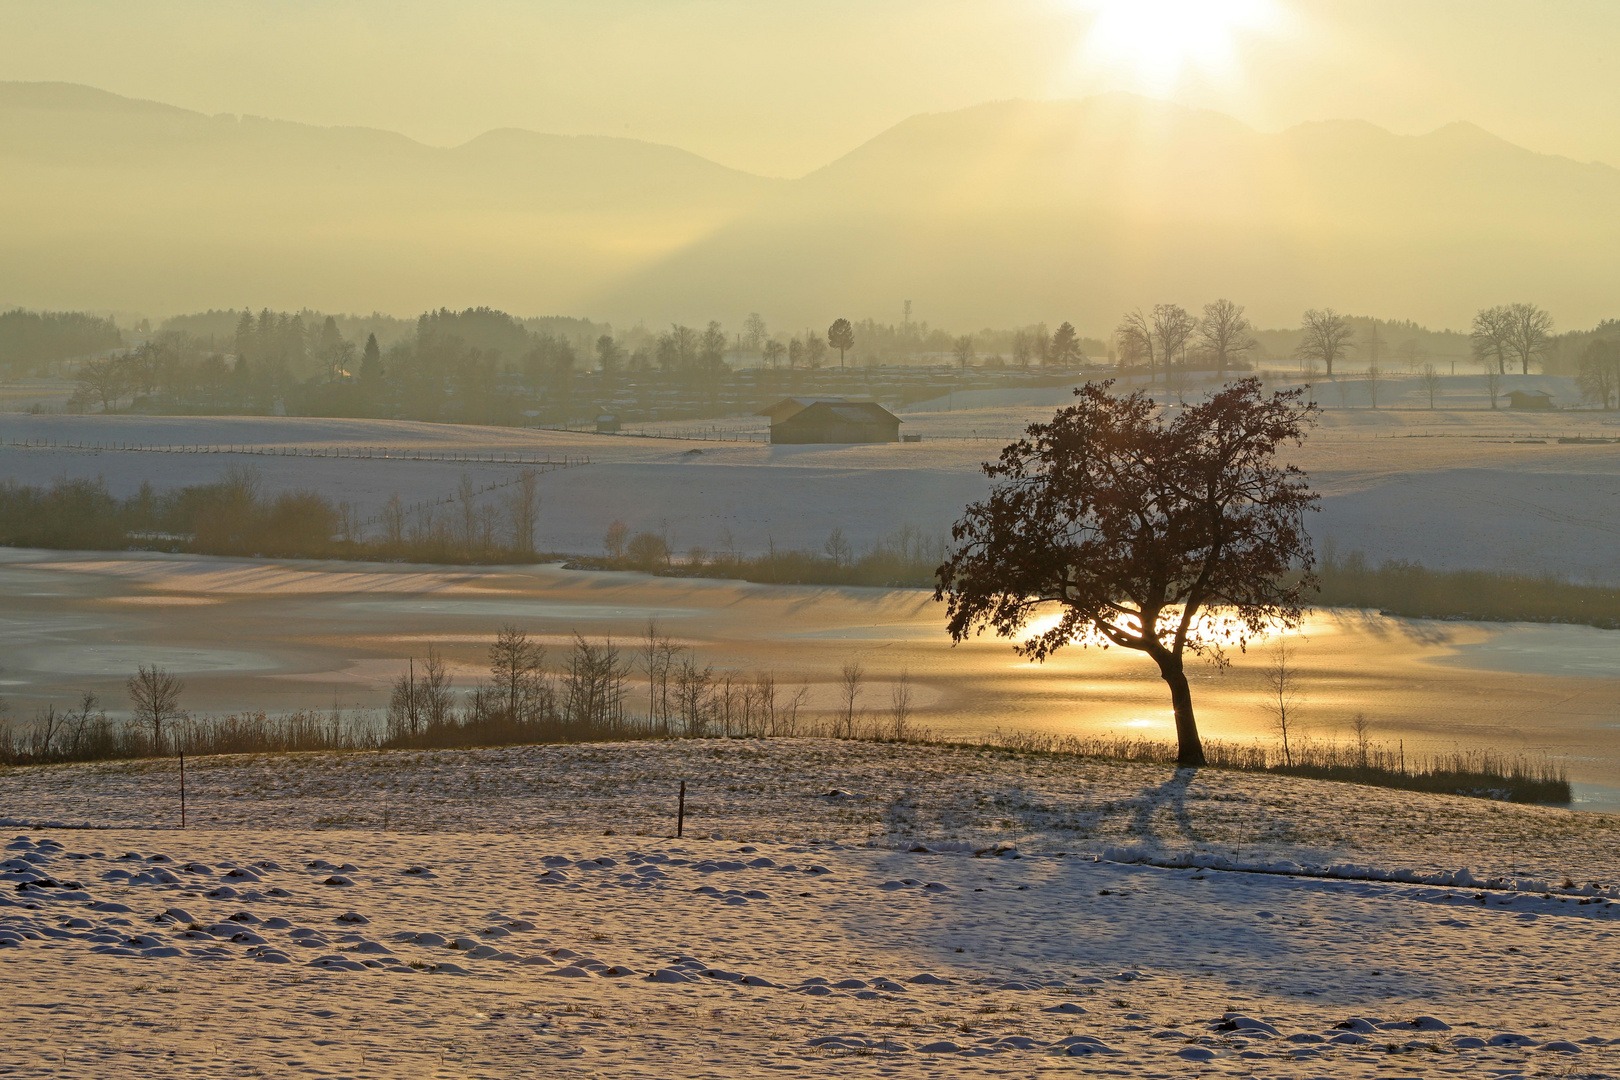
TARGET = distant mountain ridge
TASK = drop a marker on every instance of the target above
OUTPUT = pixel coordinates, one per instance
(998, 213)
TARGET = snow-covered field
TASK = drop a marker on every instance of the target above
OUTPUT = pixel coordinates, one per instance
(524, 912)
(1458, 488)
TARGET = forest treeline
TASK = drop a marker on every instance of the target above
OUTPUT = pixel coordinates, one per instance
(235, 516)
(481, 366)
(29, 339)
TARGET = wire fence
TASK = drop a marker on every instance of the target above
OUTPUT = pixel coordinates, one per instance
(357, 453)
(707, 433)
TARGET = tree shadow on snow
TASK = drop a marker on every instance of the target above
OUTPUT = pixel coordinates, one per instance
(1173, 792)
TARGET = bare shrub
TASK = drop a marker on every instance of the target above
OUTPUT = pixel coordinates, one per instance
(155, 695)
(849, 694)
(1282, 693)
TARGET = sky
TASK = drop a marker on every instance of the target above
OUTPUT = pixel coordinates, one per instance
(780, 88)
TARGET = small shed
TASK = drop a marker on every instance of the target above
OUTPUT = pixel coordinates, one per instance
(1529, 399)
(831, 420)
(607, 424)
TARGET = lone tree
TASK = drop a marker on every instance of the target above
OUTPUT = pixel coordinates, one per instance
(1152, 532)
(1135, 337)
(1327, 336)
(1172, 326)
(1064, 346)
(1528, 334)
(1224, 332)
(1489, 337)
(841, 336)
(156, 697)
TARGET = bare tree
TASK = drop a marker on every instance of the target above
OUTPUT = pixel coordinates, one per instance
(837, 547)
(1282, 694)
(107, 379)
(815, 351)
(658, 655)
(1375, 379)
(418, 703)
(1328, 337)
(155, 695)
(80, 723)
(1225, 333)
(1599, 372)
(1021, 350)
(1431, 383)
(849, 693)
(963, 349)
(1528, 334)
(613, 543)
(1172, 327)
(754, 332)
(435, 687)
(594, 687)
(1135, 338)
(1489, 337)
(1493, 385)
(900, 707)
(694, 697)
(516, 673)
(405, 712)
(523, 511)
(1361, 729)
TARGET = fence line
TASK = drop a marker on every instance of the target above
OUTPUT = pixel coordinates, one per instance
(705, 434)
(355, 453)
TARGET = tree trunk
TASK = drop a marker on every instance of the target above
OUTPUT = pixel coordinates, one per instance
(1189, 748)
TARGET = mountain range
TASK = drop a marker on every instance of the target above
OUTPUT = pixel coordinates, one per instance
(1001, 213)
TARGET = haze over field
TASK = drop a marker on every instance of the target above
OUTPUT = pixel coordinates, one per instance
(999, 213)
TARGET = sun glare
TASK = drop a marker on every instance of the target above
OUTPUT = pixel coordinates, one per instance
(1160, 42)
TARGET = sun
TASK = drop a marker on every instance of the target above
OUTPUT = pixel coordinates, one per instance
(1158, 43)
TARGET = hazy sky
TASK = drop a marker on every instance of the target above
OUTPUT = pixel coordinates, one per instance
(780, 87)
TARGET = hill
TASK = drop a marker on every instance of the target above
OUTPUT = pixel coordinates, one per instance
(997, 214)
(1015, 211)
(118, 202)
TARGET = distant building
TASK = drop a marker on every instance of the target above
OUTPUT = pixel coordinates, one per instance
(831, 420)
(607, 423)
(1529, 399)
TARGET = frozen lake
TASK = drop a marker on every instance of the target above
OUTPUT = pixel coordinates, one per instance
(268, 635)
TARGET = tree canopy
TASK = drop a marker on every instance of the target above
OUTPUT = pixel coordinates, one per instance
(1155, 530)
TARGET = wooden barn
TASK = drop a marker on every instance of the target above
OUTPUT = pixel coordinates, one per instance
(1529, 399)
(831, 420)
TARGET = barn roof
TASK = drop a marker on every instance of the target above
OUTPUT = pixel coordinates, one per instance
(840, 408)
(790, 405)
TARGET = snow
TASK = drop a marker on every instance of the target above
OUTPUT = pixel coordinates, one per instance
(948, 921)
(1448, 487)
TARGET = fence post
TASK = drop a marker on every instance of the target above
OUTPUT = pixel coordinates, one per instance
(680, 813)
(182, 789)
